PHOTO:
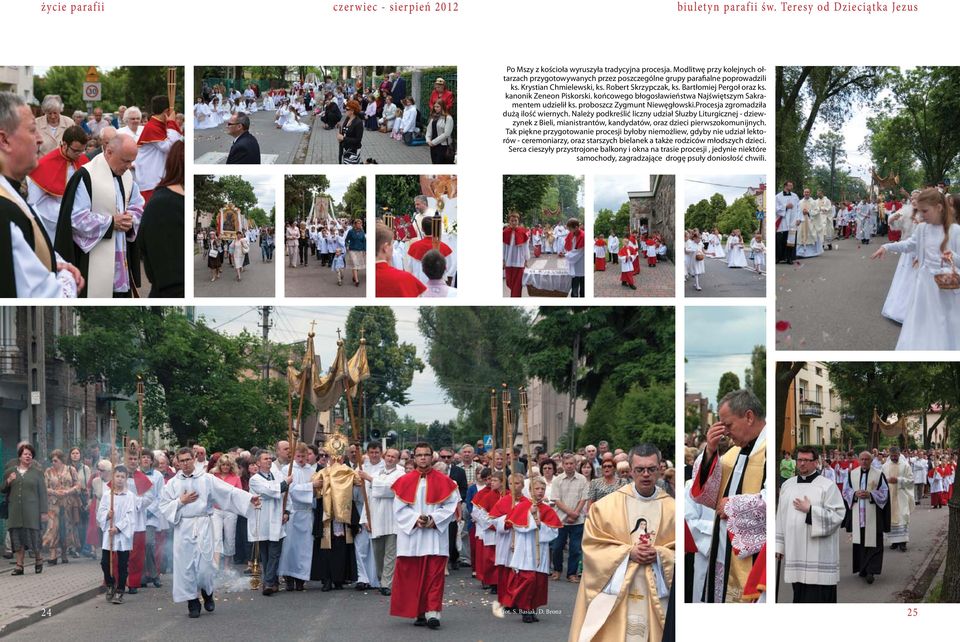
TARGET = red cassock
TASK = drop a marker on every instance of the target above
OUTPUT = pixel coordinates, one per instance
(635, 253)
(600, 262)
(418, 581)
(50, 174)
(936, 499)
(651, 260)
(514, 275)
(138, 554)
(391, 282)
(485, 498)
(538, 247)
(626, 277)
(503, 573)
(527, 589)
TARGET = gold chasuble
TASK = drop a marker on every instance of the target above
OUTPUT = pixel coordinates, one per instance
(633, 610)
(751, 483)
(337, 500)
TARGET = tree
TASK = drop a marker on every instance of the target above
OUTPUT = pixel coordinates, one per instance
(755, 377)
(259, 217)
(729, 382)
(741, 215)
(355, 199)
(568, 187)
(397, 193)
(440, 435)
(625, 345)
(786, 372)
(524, 193)
(646, 415)
(603, 222)
(806, 94)
(208, 194)
(474, 349)
(205, 376)
(603, 419)
(299, 190)
(392, 364)
(699, 215)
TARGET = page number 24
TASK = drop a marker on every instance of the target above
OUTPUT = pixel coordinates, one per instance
(912, 611)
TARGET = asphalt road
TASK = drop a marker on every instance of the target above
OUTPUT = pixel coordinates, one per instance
(721, 281)
(927, 528)
(345, 615)
(316, 281)
(257, 280)
(833, 301)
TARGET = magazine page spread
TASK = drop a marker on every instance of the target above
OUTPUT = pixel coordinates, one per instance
(260, 360)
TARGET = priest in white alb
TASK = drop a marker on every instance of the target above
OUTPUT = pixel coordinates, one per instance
(809, 515)
(268, 529)
(383, 521)
(187, 502)
(425, 505)
(899, 476)
(867, 496)
(296, 555)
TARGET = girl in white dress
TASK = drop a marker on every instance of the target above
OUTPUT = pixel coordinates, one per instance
(268, 102)
(200, 115)
(932, 321)
(289, 122)
(715, 244)
(759, 253)
(735, 256)
(905, 278)
(691, 250)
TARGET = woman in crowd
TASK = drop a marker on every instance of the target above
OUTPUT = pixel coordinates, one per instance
(693, 257)
(63, 508)
(238, 249)
(131, 122)
(356, 243)
(161, 229)
(52, 124)
(736, 258)
(83, 474)
(350, 135)
(605, 484)
(27, 500)
(215, 257)
(439, 135)
(225, 522)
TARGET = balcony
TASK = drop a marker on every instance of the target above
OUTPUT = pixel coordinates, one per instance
(810, 409)
(12, 361)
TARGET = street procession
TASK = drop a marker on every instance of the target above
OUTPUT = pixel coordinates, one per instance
(320, 496)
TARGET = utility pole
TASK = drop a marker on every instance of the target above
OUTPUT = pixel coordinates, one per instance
(571, 424)
(265, 326)
(37, 376)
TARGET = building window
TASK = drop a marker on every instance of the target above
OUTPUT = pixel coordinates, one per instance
(819, 392)
(819, 372)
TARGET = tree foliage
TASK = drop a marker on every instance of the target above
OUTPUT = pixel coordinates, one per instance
(299, 190)
(740, 215)
(119, 86)
(354, 203)
(525, 193)
(211, 194)
(646, 415)
(729, 381)
(755, 377)
(209, 380)
(397, 193)
(472, 350)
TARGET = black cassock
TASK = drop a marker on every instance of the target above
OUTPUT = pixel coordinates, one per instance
(868, 560)
(336, 565)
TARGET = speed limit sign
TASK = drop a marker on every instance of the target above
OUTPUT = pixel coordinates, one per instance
(91, 91)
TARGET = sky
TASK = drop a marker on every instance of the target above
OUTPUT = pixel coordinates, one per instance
(610, 192)
(338, 186)
(291, 324)
(739, 329)
(698, 188)
(263, 189)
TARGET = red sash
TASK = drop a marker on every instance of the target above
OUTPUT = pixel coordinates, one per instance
(51, 172)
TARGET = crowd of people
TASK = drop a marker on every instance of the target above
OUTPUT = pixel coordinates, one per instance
(628, 252)
(338, 244)
(233, 249)
(697, 247)
(870, 495)
(520, 244)
(85, 207)
(411, 260)
(924, 293)
(393, 520)
(349, 108)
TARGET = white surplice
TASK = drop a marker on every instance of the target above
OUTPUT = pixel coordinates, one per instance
(810, 542)
(418, 542)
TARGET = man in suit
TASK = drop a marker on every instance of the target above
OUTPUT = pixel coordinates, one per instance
(398, 90)
(245, 149)
(458, 475)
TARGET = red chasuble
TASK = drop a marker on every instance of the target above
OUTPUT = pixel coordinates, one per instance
(424, 245)
(519, 234)
(51, 172)
(155, 131)
(391, 282)
(439, 487)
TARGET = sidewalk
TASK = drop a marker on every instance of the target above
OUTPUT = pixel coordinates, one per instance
(30, 598)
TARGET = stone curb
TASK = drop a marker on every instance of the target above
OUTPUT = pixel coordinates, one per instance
(49, 610)
(919, 584)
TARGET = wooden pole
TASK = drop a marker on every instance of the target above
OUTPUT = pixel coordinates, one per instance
(493, 416)
(507, 448)
(140, 409)
(171, 87)
(292, 436)
(356, 437)
(525, 415)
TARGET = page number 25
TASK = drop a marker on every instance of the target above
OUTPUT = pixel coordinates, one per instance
(912, 611)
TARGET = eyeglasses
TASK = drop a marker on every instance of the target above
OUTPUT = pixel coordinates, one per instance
(446, 456)
(810, 460)
(649, 470)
